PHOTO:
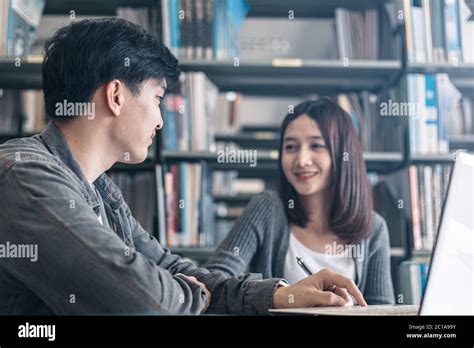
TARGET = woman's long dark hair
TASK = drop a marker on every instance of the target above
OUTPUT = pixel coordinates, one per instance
(350, 194)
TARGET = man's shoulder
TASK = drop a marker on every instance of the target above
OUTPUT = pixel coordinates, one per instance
(26, 151)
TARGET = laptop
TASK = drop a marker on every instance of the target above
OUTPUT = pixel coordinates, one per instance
(449, 286)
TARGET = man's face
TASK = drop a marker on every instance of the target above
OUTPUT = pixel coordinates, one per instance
(139, 120)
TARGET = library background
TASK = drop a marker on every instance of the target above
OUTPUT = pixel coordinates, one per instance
(245, 64)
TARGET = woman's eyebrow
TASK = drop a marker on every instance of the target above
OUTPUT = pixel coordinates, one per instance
(313, 137)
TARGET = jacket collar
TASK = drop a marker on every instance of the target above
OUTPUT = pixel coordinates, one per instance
(55, 141)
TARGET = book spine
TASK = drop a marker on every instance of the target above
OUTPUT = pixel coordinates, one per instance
(452, 30)
(415, 207)
(431, 121)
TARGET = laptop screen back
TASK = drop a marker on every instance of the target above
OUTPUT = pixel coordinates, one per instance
(449, 289)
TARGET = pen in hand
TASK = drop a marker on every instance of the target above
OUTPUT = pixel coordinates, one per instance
(303, 266)
(308, 272)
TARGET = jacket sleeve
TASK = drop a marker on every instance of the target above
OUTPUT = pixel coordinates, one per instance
(237, 250)
(244, 293)
(379, 287)
(82, 267)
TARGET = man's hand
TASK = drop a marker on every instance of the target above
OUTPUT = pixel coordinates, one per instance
(325, 288)
(202, 285)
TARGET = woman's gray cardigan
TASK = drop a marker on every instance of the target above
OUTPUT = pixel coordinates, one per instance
(258, 243)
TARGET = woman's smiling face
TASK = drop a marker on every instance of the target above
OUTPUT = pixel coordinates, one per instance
(306, 160)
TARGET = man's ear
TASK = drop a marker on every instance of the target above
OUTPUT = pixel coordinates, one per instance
(114, 96)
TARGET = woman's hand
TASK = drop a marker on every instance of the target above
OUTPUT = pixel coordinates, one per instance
(325, 288)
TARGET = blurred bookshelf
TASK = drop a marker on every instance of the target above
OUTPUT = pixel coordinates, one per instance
(307, 8)
(25, 76)
(380, 162)
(92, 7)
(286, 77)
(289, 77)
(387, 75)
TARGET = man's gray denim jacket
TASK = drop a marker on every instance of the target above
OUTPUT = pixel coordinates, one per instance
(84, 267)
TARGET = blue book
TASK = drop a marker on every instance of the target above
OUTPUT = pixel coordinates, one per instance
(431, 117)
(170, 124)
(423, 276)
(452, 30)
(173, 11)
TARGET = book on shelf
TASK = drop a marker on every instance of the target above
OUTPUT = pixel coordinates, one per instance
(203, 29)
(463, 125)
(363, 107)
(185, 205)
(386, 203)
(367, 114)
(437, 31)
(26, 106)
(19, 21)
(412, 281)
(431, 104)
(149, 18)
(428, 186)
(138, 192)
(188, 116)
(10, 111)
(357, 33)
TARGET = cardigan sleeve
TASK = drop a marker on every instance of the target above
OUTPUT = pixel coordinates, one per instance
(379, 288)
(236, 251)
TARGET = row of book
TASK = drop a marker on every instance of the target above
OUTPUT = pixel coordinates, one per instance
(136, 188)
(203, 29)
(428, 187)
(412, 281)
(19, 20)
(433, 103)
(146, 17)
(188, 116)
(463, 125)
(365, 109)
(357, 33)
(26, 106)
(436, 31)
(185, 208)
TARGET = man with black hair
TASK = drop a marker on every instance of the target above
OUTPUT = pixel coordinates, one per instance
(103, 81)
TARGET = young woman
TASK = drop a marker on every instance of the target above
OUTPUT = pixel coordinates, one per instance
(322, 212)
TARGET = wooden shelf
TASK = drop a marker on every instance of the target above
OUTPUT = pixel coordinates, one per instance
(306, 8)
(432, 159)
(296, 77)
(93, 7)
(461, 75)
(421, 253)
(462, 142)
(258, 8)
(267, 140)
(233, 200)
(25, 76)
(397, 252)
(267, 161)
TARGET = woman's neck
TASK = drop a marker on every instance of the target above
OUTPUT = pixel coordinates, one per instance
(317, 207)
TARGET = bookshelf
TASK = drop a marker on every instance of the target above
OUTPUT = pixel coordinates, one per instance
(307, 8)
(93, 7)
(461, 75)
(283, 77)
(267, 140)
(296, 77)
(254, 78)
(462, 142)
(432, 159)
(26, 76)
(380, 162)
